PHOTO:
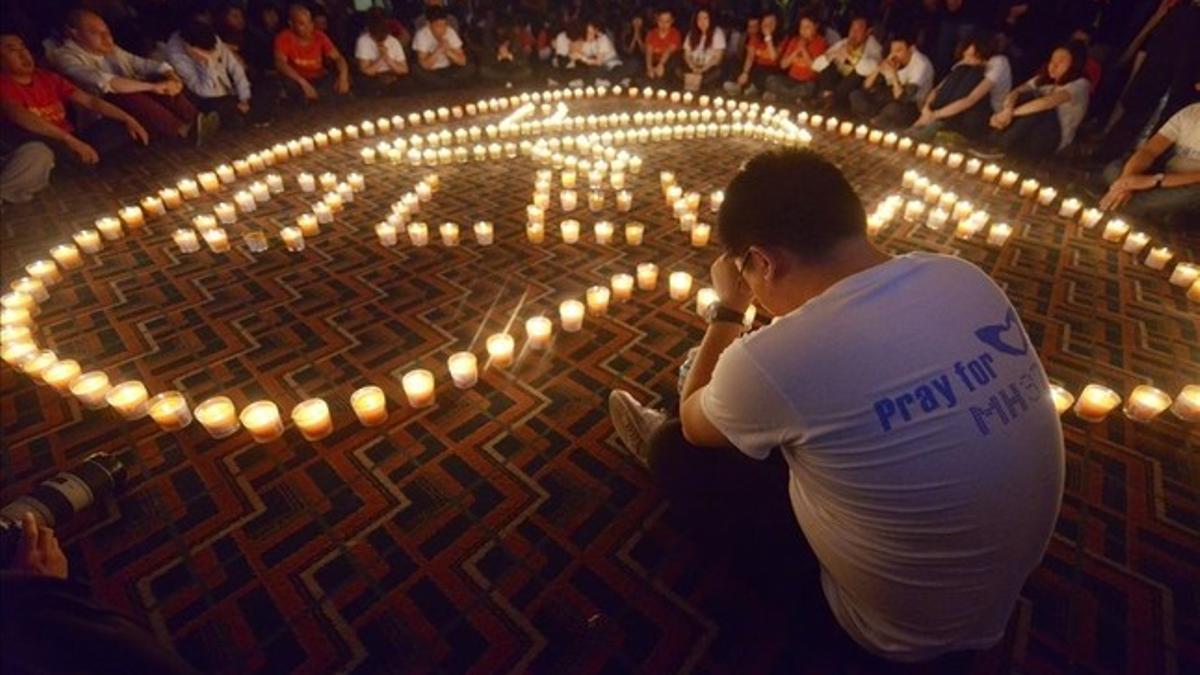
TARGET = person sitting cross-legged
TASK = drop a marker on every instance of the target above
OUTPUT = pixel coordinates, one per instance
(894, 416)
(36, 123)
(505, 60)
(663, 42)
(382, 67)
(889, 96)
(703, 51)
(798, 81)
(441, 60)
(301, 50)
(844, 65)
(1161, 180)
(215, 76)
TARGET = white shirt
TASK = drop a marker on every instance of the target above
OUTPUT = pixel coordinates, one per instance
(1070, 114)
(599, 51)
(705, 54)
(999, 73)
(367, 49)
(95, 73)
(1183, 129)
(868, 60)
(925, 454)
(918, 72)
(424, 43)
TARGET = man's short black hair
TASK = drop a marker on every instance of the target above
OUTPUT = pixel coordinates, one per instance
(199, 35)
(436, 13)
(792, 199)
(906, 35)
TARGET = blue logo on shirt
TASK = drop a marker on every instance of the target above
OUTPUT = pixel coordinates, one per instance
(994, 336)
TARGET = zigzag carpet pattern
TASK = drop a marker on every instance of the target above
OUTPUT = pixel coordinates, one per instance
(505, 530)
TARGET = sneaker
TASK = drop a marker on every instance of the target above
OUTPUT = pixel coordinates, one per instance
(732, 88)
(207, 124)
(634, 422)
(751, 90)
(551, 82)
(577, 83)
(601, 82)
(987, 153)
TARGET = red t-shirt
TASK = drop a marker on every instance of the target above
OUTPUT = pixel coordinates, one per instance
(657, 43)
(307, 58)
(46, 96)
(799, 70)
(758, 46)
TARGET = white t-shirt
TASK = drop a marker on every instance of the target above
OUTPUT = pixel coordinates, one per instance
(1183, 129)
(424, 43)
(705, 54)
(1070, 114)
(599, 51)
(868, 59)
(919, 72)
(367, 49)
(999, 73)
(925, 454)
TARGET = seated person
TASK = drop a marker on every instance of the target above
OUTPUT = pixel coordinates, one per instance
(961, 101)
(382, 68)
(441, 61)
(662, 46)
(798, 81)
(229, 23)
(301, 50)
(586, 50)
(505, 58)
(258, 45)
(843, 66)
(34, 105)
(214, 75)
(703, 51)
(891, 458)
(633, 39)
(1040, 117)
(149, 90)
(889, 96)
(1161, 180)
(761, 60)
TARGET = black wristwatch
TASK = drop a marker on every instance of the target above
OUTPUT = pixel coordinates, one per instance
(718, 313)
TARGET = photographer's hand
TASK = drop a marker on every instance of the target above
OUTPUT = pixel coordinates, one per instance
(38, 552)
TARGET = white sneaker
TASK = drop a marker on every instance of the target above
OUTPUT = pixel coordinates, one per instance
(634, 422)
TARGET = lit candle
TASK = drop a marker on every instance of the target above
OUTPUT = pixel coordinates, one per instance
(938, 154)
(570, 231)
(484, 233)
(972, 167)
(208, 181)
(624, 201)
(1028, 187)
(1115, 230)
(345, 193)
(356, 182)
(45, 271)
(90, 389)
(967, 227)
(226, 212)
(424, 191)
(999, 234)
(368, 155)
(700, 234)
(152, 206)
(312, 419)
(464, 370)
(308, 224)
(962, 209)
(597, 300)
(418, 234)
(679, 285)
(1145, 403)
(1187, 404)
(874, 137)
(128, 399)
(500, 349)
(259, 192)
(913, 210)
(1095, 402)
(1069, 207)
(370, 405)
(386, 233)
(274, 183)
(954, 159)
(617, 180)
(219, 417)
(32, 287)
(537, 331)
(535, 214)
(132, 217)
(937, 219)
(603, 232)
(60, 374)
(262, 420)
(1135, 242)
(705, 297)
(38, 362)
(226, 173)
(933, 194)
(905, 144)
(13, 316)
(293, 239)
(449, 233)
(1046, 195)
(595, 200)
(570, 314)
(16, 353)
(1008, 178)
(622, 287)
(647, 276)
(323, 213)
(217, 240)
(1062, 398)
(1158, 258)
(909, 178)
(67, 256)
(923, 150)
(634, 233)
(186, 240)
(535, 233)
(1185, 274)
(666, 179)
(88, 241)
(307, 182)
(170, 411)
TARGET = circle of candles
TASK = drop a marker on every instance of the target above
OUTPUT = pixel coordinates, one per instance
(1062, 398)
(634, 233)
(484, 233)
(622, 286)
(170, 411)
(464, 369)
(570, 231)
(45, 271)
(217, 240)
(500, 349)
(219, 417)
(1145, 403)
(88, 241)
(293, 239)
(1095, 402)
(35, 288)
(449, 234)
(603, 231)
(537, 332)
(370, 405)
(60, 374)
(262, 420)
(419, 388)
(647, 276)
(67, 256)
(679, 285)
(1187, 404)
(1158, 257)
(186, 240)
(570, 314)
(128, 399)
(90, 388)
(312, 418)
(1184, 274)
(597, 300)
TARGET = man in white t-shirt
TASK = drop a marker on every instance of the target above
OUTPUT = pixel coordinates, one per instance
(891, 95)
(924, 452)
(441, 60)
(845, 65)
(1161, 180)
(382, 67)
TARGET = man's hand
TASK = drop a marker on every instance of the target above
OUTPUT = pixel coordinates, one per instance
(925, 119)
(1114, 198)
(1133, 183)
(86, 153)
(136, 131)
(168, 87)
(38, 551)
(342, 85)
(243, 107)
(310, 92)
(1002, 119)
(731, 289)
(743, 79)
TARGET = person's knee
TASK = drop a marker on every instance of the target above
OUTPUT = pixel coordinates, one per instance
(38, 155)
(664, 449)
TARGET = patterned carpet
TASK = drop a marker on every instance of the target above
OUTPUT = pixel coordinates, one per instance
(504, 530)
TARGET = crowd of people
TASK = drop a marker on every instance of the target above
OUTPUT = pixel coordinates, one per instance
(1006, 77)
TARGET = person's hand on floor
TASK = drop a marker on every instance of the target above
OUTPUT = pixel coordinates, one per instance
(86, 153)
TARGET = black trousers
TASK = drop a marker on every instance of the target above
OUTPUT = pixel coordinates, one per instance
(832, 83)
(881, 108)
(1036, 135)
(450, 77)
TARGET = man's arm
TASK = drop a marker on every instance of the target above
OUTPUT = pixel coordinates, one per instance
(1048, 102)
(23, 118)
(106, 109)
(955, 107)
(285, 68)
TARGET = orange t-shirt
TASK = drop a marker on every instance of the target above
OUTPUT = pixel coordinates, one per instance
(307, 58)
(45, 96)
(758, 46)
(657, 43)
(800, 70)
